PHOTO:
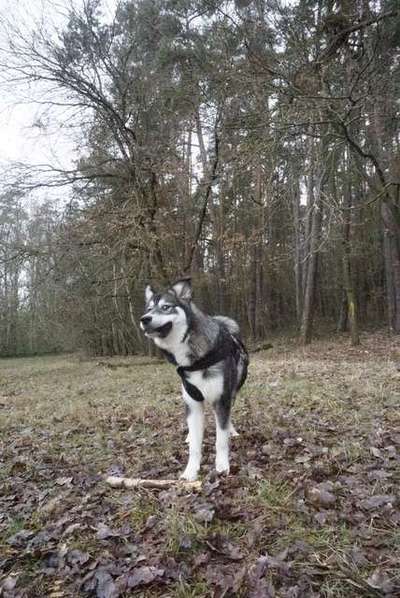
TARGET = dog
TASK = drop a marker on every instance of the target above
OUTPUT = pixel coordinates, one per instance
(211, 361)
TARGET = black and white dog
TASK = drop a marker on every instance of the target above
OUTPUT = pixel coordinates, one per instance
(210, 359)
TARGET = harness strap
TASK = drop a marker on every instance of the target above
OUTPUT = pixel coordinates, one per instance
(226, 344)
(191, 389)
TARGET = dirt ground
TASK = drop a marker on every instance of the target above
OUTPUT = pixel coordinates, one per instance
(311, 507)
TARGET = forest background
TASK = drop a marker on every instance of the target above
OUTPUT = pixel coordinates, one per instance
(253, 145)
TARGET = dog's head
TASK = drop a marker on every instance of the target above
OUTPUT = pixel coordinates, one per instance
(167, 310)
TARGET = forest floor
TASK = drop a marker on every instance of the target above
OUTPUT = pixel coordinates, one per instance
(311, 508)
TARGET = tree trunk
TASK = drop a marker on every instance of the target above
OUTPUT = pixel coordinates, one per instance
(298, 258)
(311, 262)
(352, 308)
(253, 292)
(390, 211)
(391, 254)
(342, 320)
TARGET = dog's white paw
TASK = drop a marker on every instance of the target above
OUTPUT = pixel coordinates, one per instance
(187, 439)
(233, 432)
(222, 466)
(190, 475)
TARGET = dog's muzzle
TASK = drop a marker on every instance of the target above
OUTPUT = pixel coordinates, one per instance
(144, 320)
(149, 330)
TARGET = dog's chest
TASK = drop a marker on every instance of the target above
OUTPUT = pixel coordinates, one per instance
(210, 386)
(173, 345)
(181, 354)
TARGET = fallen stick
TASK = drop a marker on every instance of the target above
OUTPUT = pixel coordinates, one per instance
(118, 482)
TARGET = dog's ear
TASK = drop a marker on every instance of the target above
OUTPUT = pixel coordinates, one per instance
(183, 288)
(149, 293)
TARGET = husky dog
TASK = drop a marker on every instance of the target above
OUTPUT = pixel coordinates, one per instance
(210, 359)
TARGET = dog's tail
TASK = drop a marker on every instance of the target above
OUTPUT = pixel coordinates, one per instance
(230, 324)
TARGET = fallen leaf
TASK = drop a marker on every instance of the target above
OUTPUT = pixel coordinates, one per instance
(204, 513)
(18, 467)
(379, 580)
(9, 583)
(64, 481)
(377, 501)
(375, 451)
(321, 497)
(144, 576)
(185, 543)
(51, 505)
(77, 557)
(105, 586)
(104, 532)
(201, 559)
(20, 538)
(221, 544)
(71, 528)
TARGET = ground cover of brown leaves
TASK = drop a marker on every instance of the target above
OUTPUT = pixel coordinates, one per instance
(311, 508)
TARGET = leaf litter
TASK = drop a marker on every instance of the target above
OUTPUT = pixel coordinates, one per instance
(312, 507)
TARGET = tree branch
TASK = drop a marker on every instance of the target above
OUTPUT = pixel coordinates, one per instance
(203, 212)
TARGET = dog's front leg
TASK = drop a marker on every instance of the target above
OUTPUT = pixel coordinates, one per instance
(195, 421)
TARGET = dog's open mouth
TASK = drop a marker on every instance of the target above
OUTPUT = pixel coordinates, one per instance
(162, 331)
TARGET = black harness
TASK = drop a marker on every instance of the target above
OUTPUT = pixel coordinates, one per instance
(226, 345)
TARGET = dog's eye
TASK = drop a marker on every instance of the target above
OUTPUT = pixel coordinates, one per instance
(166, 307)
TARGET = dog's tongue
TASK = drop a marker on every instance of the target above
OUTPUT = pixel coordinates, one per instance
(163, 331)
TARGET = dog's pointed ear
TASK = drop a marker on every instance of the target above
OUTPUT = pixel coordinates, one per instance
(149, 293)
(183, 288)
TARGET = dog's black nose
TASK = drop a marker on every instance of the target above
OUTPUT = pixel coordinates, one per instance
(145, 320)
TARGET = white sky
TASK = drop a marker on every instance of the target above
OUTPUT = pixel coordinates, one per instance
(20, 140)
(29, 133)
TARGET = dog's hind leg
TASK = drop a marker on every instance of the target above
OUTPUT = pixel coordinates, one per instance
(195, 420)
(222, 448)
(223, 431)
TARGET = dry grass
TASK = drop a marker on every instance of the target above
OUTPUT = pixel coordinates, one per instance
(306, 417)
